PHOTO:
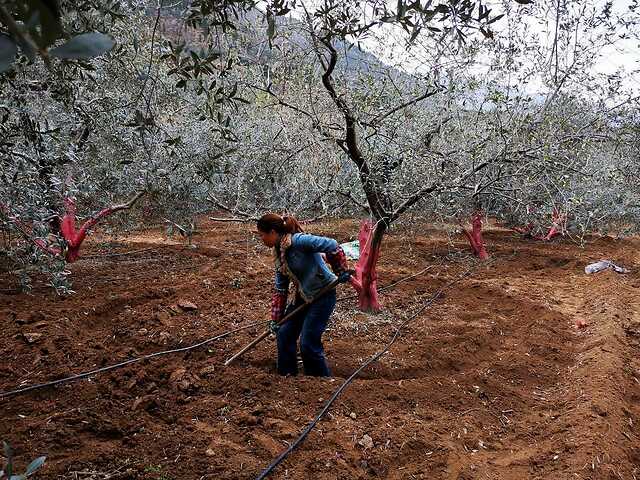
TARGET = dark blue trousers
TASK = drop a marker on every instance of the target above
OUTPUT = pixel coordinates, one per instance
(309, 325)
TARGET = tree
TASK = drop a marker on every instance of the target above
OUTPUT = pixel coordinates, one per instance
(368, 121)
(308, 109)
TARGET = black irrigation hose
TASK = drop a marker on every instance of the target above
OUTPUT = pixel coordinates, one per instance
(344, 385)
(117, 254)
(127, 362)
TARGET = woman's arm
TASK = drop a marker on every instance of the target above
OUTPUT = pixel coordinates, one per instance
(338, 262)
(279, 296)
(335, 255)
(314, 243)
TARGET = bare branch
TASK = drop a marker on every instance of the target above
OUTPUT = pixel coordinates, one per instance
(232, 220)
(128, 204)
(351, 198)
(415, 197)
(232, 211)
(379, 118)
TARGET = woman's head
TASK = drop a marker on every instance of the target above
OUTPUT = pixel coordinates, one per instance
(272, 226)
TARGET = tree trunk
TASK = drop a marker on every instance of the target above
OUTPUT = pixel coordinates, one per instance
(475, 237)
(556, 228)
(374, 186)
(72, 237)
(370, 238)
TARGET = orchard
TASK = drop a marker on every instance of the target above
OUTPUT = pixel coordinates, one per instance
(319, 239)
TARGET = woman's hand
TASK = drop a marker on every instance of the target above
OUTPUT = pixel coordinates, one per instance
(345, 275)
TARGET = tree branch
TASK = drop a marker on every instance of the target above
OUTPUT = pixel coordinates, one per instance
(314, 121)
(105, 212)
(350, 142)
(351, 198)
(415, 197)
(232, 220)
(248, 217)
(409, 202)
(379, 118)
(28, 234)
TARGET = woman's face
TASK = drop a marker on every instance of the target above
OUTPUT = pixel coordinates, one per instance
(270, 239)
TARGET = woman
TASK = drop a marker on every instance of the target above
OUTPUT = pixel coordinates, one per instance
(298, 259)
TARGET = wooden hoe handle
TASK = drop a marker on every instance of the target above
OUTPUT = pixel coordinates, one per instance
(283, 320)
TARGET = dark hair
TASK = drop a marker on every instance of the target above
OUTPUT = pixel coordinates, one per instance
(282, 225)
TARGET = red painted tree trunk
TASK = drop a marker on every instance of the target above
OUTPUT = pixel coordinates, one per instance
(366, 281)
(475, 237)
(556, 228)
(72, 237)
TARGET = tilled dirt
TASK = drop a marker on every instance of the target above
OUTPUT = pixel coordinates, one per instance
(494, 381)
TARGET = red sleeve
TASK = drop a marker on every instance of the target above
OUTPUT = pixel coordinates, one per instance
(278, 303)
(338, 260)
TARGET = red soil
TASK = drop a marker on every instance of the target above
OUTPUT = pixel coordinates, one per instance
(494, 381)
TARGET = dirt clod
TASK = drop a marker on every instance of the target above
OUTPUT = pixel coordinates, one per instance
(147, 403)
(208, 371)
(164, 318)
(580, 323)
(32, 337)
(184, 381)
(187, 305)
(247, 419)
(366, 441)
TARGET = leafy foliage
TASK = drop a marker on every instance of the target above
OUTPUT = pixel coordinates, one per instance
(8, 472)
(218, 105)
(36, 25)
